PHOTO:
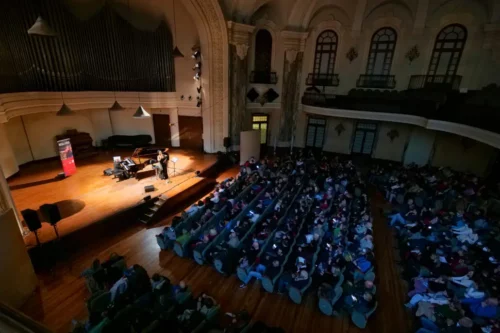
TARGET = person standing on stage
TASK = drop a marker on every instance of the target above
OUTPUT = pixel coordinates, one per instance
(163, 161)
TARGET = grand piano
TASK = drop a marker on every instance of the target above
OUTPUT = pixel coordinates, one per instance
(128, 167)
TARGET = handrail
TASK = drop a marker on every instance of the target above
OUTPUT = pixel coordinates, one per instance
(376, 81)
(19, 322)
(322, 80)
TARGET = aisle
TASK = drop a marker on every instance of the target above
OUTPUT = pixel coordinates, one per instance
(391, 315)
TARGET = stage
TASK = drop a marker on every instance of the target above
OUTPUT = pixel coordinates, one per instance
(89, 196)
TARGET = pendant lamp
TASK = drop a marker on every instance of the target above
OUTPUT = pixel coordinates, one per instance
(176, 53)
(65, 110)
(141, 113)
(116, 106)
(41, 28)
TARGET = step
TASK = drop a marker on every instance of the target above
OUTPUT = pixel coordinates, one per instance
(145, 222)
(158, 203)
(154, 208)
(150, 215)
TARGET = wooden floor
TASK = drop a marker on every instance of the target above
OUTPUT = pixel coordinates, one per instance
(62, 293)
(88, 196)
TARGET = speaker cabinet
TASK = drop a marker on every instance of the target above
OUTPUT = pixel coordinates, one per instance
(30, 216)
(51, 213)
(149, 188)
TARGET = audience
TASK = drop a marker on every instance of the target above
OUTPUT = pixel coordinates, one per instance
(448, 244)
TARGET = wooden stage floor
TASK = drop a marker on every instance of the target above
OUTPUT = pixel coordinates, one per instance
(88, 196)
(61, 294)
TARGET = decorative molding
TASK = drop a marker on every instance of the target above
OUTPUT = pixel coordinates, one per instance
(294, 40)
(216, 40)
(291, 55)
(242, 50)
(20, 104)
(393, 134)
(239, 33)
(352, 54)
(484, 136)
(412, 54)
(339, 129)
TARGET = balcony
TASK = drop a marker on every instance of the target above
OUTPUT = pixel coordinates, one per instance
(263, 77)
(376, 81)
(322, 80)
(477, 109)
(435, 82)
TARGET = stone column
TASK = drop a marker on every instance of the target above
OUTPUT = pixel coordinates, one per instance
(239, 118)
(174, 129)
(294, 43)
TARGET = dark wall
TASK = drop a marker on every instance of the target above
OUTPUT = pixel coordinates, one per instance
(104, 52)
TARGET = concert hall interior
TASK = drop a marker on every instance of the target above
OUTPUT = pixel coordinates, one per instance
(192, 145)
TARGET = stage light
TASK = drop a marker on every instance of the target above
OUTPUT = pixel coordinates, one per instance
(196, 76)
(141, 113)
(182, 97)
(198, 104)
(41, 28)
(65, 110)
(198, 89)
(190, 98)
(196, 54)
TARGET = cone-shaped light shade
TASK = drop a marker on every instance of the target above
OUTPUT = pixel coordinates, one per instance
(65, 111)
(177, 53)
(141, 113)
(41, 28)
(116, 107)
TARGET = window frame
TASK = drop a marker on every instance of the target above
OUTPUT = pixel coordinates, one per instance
(259, 122)
(257, 50)
(437, 52)
(331, 53)
(316, 126)
(370, 63)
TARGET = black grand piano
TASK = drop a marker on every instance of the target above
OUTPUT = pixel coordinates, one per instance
(128, 168)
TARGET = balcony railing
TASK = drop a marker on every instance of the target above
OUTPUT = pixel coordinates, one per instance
(322, 80)
(435, 82)
(446, 106)
(376, 81)
(263, 77)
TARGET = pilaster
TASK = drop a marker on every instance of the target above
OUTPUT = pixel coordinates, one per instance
(240, 41)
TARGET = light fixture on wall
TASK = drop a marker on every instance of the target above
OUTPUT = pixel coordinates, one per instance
(176, 53)
(198, 104)
(141, 113)
(65, 110)
(182, 97)
(116, 106)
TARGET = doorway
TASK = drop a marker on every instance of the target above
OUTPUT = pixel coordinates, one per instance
(191, 132)
(161, 125)
(364, 139)
(260, 122)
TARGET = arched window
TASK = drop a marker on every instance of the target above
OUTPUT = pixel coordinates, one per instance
(381, 52)
(447, 52)
(326, 51)
(263, 56)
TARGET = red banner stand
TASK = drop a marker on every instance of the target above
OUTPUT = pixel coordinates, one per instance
(67, 159)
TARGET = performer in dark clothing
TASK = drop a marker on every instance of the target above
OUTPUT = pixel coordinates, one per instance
(163, 160)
